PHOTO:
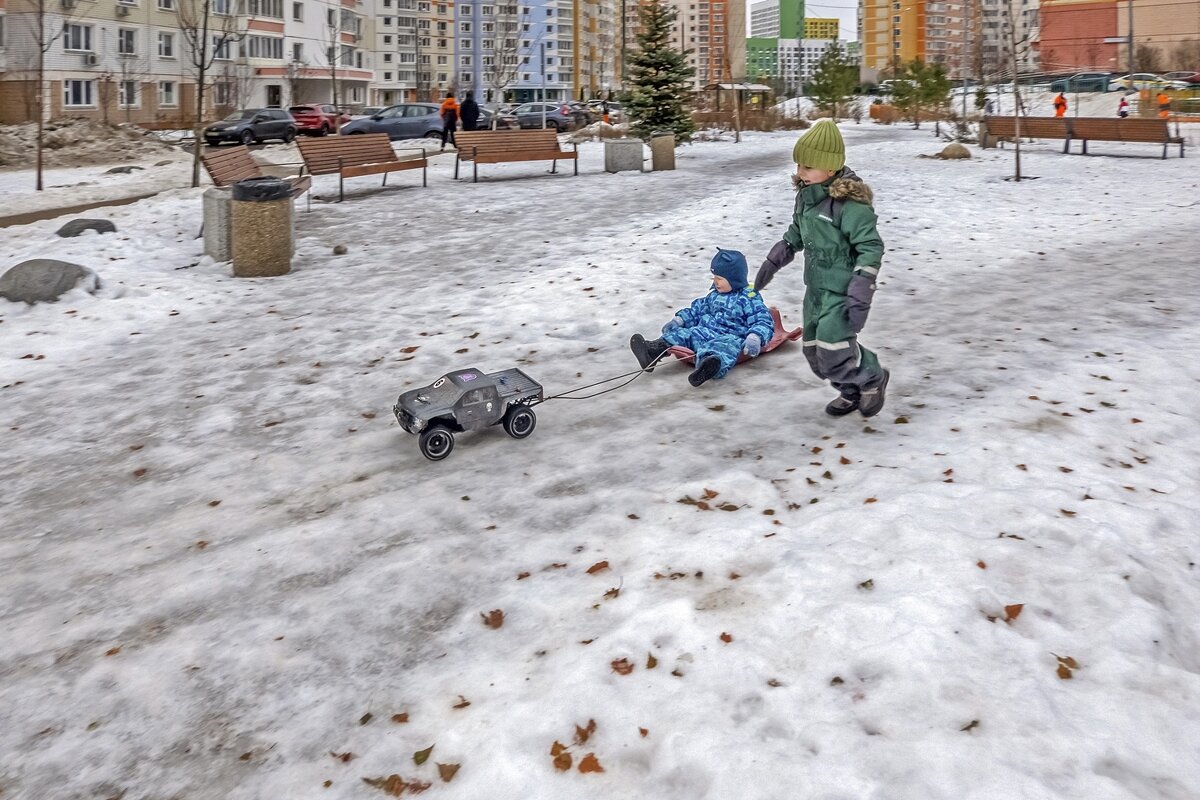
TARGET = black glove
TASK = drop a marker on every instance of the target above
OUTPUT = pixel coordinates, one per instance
(858, 301)
(780, 256)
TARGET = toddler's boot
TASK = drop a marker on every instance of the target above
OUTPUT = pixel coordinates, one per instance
(841, 406)
(647, 352)
(707, 369)
(871, 402)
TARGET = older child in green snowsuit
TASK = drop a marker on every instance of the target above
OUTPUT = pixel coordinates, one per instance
(834, 225)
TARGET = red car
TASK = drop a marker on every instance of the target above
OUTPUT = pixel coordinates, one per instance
(318, 120)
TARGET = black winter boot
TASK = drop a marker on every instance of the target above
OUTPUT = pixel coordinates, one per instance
(841, 406)
(647, 352)
(871, 402)
(707, 369)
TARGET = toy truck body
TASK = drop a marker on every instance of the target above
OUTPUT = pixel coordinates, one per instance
(468, 400)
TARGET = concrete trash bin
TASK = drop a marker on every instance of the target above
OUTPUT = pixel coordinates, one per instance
(261, 241)
(662, 150)
(623, 154)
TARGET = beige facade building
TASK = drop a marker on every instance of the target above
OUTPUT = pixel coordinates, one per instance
(714, 31)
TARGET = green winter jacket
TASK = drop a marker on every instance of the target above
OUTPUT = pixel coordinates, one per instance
(833, 254)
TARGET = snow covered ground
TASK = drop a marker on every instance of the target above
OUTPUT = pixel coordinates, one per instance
(225, 572)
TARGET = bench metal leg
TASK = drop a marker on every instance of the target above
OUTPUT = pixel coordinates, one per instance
(341, 182)
(456, 166)
(1067, 146)
(475, 168)
(1085, 147)
(554, 166)
(384, 179)
(425, 175)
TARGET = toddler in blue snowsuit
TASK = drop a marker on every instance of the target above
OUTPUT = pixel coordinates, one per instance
(730, 320)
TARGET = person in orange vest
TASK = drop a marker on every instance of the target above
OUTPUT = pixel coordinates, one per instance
(1164, 105)
(1060, 105)
(449, 112)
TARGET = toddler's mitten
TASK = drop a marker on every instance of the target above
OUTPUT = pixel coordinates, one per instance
(676, 322)
(858, 301)
(780, 256)
(753, 345)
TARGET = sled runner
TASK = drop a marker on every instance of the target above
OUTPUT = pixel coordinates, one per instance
(781, 335)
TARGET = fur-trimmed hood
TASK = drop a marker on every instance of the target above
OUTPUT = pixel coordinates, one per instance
(845, 185)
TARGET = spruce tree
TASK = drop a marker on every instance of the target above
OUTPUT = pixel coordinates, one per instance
(661, 80)
(833, 81)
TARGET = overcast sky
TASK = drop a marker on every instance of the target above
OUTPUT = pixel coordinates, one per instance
(845, 10)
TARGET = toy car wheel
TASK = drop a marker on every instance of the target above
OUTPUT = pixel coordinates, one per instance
(519, 422)
(436, 443)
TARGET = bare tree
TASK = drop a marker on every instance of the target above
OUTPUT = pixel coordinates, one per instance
(338, 22)
(130, 70)
(106, 91)
(507, 53)
(294, 77)
(208, 27)
(45, 29)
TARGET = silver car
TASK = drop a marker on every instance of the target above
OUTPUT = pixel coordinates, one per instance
(414, 121)
(559, 116)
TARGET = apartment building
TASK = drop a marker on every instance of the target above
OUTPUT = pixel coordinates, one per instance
(713, 32)
(789, 64)
(136, 60)
(822, 28)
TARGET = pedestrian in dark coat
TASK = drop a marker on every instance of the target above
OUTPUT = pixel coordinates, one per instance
(468, 111)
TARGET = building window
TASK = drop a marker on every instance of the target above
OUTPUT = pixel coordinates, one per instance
(356, 95)
(77, 37)
(220, 48)
(441, 8)
(441, 60)
(223, 93)
(265, 8)
(466, 77)
(297, 52)
(466, 10)
(387, 77)
(488, 11)
(126, 42)
(489, 44)
(166, 93)
(298, 12)
(423, 6)
(387, 22)
(264, 47)
(78, 93)
(127, 94)
(464, 44)
(166, 5)
(221, 7)
(387, 40)
(387, 58)
(464, 61)
(464, 27)
(166, 45)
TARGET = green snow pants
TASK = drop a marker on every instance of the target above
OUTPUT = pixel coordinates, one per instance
(832, 349)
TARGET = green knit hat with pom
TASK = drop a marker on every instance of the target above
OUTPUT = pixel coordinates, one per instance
(821, 147)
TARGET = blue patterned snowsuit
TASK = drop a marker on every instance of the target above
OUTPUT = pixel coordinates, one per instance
(718, 324)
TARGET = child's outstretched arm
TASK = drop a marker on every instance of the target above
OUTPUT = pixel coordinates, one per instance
(782, 253)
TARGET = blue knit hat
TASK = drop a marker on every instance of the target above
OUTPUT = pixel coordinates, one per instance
(730, 265)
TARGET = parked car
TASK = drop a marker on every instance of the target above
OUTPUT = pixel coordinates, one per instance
(503, 121)
(318, 119)
(559, 116)
(252, 125)
(403, 121)
(1083, 82)
(413, 121)
(1188, 77)
(1144, 80)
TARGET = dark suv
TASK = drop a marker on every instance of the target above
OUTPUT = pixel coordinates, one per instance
(252, 125)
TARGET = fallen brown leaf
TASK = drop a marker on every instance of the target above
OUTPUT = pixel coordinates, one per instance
(462, 702)
(597, 567)
(421, 756)
(493, 619)
(621, 666)
(585, 733)
(448, 771)
(726, 638)
(589, 763)
(400, 719)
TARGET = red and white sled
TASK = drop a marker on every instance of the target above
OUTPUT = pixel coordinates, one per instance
(781, 336)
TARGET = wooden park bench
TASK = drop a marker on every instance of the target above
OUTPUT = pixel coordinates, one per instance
(228, 165)
(494, 147)
(1103, 129)
(356, 155)
(1005, 128)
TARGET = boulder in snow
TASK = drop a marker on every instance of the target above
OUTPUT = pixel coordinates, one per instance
(78, 226)
(954, 150)
(126, 170)
(44, 280)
